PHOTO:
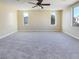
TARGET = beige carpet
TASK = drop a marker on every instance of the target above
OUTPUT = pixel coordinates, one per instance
(39, 45)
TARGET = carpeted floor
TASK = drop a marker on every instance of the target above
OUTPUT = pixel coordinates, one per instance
(39, 45)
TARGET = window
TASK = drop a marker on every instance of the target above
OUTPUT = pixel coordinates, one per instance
(53, 18)
(75, 16)
(25, 17)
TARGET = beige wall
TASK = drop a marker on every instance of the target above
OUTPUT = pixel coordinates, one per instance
(58, 20)
(39, 20)
(67, 22)
(8, 19)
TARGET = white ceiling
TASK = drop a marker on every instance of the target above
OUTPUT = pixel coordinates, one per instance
(55, 4)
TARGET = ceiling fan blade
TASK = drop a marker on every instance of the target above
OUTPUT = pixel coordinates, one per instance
(46, 4)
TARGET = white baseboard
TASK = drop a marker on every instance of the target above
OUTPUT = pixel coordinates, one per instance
(6, 35)
(72, 35)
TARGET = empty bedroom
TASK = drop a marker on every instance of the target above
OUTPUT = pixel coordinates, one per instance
(39, 29)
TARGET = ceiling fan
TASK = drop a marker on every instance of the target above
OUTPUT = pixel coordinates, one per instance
(40, 4)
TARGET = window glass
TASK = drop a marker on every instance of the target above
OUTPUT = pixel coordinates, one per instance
(53, 18)
(25, 18)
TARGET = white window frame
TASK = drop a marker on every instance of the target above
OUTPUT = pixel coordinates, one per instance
(72, 13)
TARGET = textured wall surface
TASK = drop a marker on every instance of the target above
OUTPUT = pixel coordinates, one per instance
(39, 20)
(67, 22)
(8, 19)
